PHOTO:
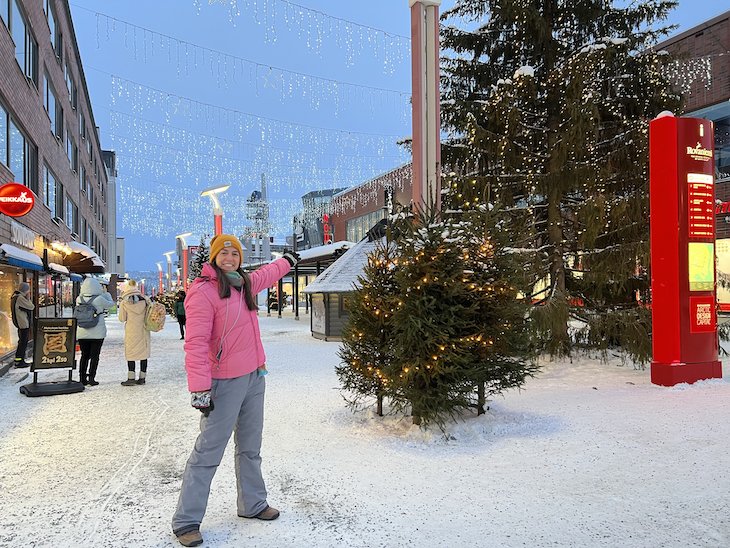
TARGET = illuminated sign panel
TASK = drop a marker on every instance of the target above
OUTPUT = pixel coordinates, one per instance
(700, 206)
(701, 260)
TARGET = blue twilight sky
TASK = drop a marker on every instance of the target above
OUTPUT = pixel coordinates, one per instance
(306, 94)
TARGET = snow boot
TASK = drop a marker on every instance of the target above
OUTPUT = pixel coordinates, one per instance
(191, 538)
(142, 377)
(267, 514)
(131, 382)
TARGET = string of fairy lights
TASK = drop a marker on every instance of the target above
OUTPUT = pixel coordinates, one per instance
(318, 30)
(170, 146)
(226, 70)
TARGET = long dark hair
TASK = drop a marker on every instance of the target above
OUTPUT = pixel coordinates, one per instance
(224, 286)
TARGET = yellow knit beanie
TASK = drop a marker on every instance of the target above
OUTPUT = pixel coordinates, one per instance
(224, 240)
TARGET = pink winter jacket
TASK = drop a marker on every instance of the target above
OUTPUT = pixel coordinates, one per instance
(224, 325)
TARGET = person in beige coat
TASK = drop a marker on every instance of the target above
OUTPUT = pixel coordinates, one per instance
(137, 340)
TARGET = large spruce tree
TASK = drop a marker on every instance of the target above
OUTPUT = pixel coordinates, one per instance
(547, 104)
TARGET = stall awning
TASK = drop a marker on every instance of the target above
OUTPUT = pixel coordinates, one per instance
(57, 268)
(82, 259)
(20, 258)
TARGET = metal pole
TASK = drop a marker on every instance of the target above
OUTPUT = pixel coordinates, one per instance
(426, 103)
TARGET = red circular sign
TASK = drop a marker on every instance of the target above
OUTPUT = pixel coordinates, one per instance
(15, 199)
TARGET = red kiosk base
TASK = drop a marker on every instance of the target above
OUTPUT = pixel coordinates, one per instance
(669, 374)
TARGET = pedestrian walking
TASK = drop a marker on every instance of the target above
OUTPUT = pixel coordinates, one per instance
(223, 354)
(137, 339)
(91, 334)
(180, 313)
(22, 315)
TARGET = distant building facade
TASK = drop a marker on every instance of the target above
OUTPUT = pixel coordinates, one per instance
(356, 210)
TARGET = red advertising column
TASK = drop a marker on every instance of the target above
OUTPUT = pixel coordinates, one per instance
(682, 195)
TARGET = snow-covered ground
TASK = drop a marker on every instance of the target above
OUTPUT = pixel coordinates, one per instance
(588, 454)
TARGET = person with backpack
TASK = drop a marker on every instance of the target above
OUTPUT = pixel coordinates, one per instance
(223, 355)
(180, 313)
(137, 339)
(21, 309)
(91, 304)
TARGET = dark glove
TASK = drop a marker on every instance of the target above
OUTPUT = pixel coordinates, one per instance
(202, 402)
(292, 256)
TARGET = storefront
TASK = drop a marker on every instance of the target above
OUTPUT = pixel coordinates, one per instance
(16, 265)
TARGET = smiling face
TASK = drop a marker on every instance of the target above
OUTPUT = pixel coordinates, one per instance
(228, 259)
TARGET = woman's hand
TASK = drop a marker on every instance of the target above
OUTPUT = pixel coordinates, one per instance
(202, 402)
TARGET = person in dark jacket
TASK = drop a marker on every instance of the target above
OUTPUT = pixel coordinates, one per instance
(22, 314)
(180, 313)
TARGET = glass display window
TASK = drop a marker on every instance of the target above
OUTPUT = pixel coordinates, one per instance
(10, 278)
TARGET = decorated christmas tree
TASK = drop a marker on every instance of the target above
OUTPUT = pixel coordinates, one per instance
(547, 105)
(368, 344)
(460, 325)
(201, 257)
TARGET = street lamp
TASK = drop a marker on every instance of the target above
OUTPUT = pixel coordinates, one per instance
(160, 291)
(185, 259)
(169, 255)
(212, 193)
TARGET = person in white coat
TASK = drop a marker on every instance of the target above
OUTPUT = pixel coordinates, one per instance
(91, 339)
(137, 340)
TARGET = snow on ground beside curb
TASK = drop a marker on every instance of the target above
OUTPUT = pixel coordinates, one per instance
(588, 454)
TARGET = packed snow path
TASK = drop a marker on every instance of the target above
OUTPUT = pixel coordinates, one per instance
(589, 454)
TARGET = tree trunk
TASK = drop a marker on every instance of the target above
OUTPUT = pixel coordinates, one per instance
(481, 399)
(380, 404)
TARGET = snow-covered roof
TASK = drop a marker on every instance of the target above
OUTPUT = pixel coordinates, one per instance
(21, 254)
(324, 250)
(58, 268)
(84, 250)
(341, 276)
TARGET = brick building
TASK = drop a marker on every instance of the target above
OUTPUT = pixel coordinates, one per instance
(356, 210)
(48, 143)
(702, 74)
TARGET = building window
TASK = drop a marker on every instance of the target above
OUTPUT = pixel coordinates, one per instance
(82, 126)
(56, 41)
(72, 215)
(49, 190)
(22, 157)
(54, 109)
(60, 212)
(26, 47)
(82, 179)
(3, 136)
(73, 153)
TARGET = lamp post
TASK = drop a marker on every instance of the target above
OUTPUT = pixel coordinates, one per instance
(185, 258)
(212, 193)
(169, 255)
(160, 291)
(141, 286)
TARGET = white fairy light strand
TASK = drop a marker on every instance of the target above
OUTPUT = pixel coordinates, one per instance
(313, 26)
(229, 71)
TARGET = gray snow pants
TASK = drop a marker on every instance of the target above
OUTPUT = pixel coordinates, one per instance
(239, 407)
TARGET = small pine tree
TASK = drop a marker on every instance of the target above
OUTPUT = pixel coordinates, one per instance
(201, 257)
(460, 326)
(368, 343)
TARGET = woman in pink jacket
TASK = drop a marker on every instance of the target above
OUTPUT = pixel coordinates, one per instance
(224, 360)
